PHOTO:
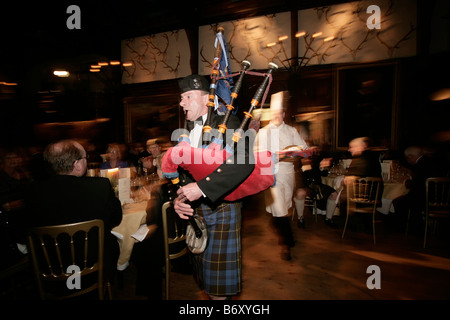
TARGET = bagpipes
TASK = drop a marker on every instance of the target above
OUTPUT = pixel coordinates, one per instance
(200, 162)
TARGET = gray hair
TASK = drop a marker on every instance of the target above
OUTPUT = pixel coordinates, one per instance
(61, 155)
(365, 141)
(413, 151)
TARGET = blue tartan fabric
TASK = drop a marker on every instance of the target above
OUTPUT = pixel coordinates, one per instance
(220, 264)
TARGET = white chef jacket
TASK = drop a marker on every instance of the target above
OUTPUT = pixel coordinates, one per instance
(275, 138)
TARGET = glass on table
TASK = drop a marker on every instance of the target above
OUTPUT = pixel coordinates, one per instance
(135, 185)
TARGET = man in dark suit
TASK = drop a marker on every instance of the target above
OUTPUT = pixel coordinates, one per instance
(220, 263)
(364, 163)
(421, 168)
(68, 197)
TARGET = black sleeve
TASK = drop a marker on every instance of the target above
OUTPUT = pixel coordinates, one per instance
(234, 171)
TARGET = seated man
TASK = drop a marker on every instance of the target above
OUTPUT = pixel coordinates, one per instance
(153, 162)
(68, 197)
(364, 163)
(310, 185)
(422, 167)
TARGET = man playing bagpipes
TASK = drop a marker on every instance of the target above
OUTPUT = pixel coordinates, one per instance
(220, 263)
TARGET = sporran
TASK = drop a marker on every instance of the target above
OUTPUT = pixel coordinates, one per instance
(197, 245)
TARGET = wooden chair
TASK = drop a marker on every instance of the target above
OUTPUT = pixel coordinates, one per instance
(363, 196)
(309, 202)
(174, 240)
(437, 203)
(55, 248)
(312, 203)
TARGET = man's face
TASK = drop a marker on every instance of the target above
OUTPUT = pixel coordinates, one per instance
(194, 104)
(154, 149)
(356, 148)
(277, 117)
(12, 161)
(411, 158)
(80, 165)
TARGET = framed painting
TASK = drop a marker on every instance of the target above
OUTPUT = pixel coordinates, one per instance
(365, 103)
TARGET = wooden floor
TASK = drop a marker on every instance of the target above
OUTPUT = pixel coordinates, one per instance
(326, 267)
(323, 266)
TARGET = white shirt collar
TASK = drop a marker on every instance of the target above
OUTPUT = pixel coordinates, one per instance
(275, 126)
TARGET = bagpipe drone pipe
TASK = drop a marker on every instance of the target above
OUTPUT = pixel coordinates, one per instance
(200, 162)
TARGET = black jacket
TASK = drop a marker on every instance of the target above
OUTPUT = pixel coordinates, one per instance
(63, 199)
(365, 165)
(228, 176)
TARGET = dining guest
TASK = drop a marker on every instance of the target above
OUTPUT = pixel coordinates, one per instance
(68, 196)
(148, 255)
(114, 158)
(14, 180)
(274, 137)
(134, 151)
(365, 163)
(220, 265)
(421, 167)
(314, 187)
(154, 160)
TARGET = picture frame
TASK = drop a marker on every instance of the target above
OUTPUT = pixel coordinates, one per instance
(146, 120)
(366, 103)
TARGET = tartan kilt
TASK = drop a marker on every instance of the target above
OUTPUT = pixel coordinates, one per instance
(220, 265)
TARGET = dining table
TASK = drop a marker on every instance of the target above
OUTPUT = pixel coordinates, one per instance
(133, 219)
(391, 191)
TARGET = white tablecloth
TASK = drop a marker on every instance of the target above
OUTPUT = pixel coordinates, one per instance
(134, 215)
(391, 191)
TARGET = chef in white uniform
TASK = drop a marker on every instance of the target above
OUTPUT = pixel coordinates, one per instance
(275, 137)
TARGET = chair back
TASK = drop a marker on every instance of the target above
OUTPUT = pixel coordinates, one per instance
(174, 239)
(311, 202)
(437, 196)
(363, 195)
(364, 192)
(68, 259)
(437, 201)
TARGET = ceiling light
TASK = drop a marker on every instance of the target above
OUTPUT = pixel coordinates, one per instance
(61, 73)
(114, 63)
(300, 34)
(94, 70)
(282, 38)
(439, 95)
(103, 64)
(271, 44)
(317, 34)
(127, 64)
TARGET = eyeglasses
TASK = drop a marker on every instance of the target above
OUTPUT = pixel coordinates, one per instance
(85, 157)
